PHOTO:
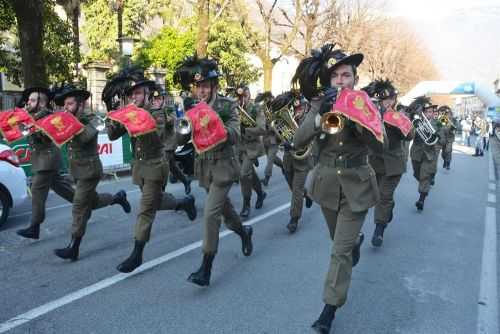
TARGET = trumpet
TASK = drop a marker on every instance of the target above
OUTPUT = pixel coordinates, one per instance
(425, 130)
(183, 129)
(99, 122)
(332, 123)
(246, 119)
(444, 120)
(26, 129)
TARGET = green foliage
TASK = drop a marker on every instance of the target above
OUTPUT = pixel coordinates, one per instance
(58, 53)
(228, 44)
(166, 50)
(101, 25)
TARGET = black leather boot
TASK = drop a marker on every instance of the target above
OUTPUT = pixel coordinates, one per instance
(324, 323)
(260, 200)
(202, 276)
(448, 163)
(188, 205)
(31, 232)
(378, 235)
(121, 199)
(265, 181)
(420, 203)
(187, 186)
(71, 252)
(245, 211)
(134, 260)
(246, 240)
(356, 252)
(292, 225)
(309, 201)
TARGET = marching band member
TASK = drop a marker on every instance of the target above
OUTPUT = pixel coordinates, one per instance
(343, 183)
(249, 149)
(217, 167)
(149, 171)
(390, 165)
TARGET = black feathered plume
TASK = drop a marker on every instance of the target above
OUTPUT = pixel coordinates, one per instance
(308, 74)
(118, 85)
(419, 104)
(185, 71)
(380, 89)
(266, 96)
(284, 99)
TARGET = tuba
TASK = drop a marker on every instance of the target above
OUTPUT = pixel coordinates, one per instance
(424, 129)
(245, 118)
(285, 126)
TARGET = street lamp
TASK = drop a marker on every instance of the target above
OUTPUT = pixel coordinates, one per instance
(127, 47)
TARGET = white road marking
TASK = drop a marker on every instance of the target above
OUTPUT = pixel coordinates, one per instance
(487, 315)
(491, 169)
(107, 282)
(492, 186)
(492, 198)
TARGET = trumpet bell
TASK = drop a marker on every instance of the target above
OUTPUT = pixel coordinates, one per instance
(25, 130)
(331, 123)
(183, 129)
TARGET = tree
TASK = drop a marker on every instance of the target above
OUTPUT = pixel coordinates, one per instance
(72, 9)
(55, 59)
(29, 19)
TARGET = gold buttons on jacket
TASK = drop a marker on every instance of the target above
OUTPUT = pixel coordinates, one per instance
(340, 157)
(339, 171)
(341, 143)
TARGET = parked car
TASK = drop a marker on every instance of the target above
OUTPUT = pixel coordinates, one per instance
(13, 186)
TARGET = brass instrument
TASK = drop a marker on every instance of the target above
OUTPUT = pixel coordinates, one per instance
(99, 122)
(285, 127)
(424, 129)
(444, 120)
(245, 118)
(332, 123)
(183, 129)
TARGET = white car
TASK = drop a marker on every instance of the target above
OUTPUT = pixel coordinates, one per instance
(13, 187)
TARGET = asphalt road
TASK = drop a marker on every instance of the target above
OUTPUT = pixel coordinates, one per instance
(424, 280)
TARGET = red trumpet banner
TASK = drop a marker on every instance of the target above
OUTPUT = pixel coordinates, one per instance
(10, 121)
(399, 121)
(207, 129)
(60, 127)
(357, 106)
(136, 120)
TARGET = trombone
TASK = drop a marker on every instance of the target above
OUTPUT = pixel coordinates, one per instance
(245, 118)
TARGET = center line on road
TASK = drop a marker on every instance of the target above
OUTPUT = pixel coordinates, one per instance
(492, 186)
(492, 198)
(107, 282)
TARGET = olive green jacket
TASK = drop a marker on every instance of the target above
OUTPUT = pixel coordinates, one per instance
(393, 160)
(219, 165)
(149, 161)
(45, 155)
(301, 164)
(83, 157)
(251, 137)
(329, 180)
(420, 151)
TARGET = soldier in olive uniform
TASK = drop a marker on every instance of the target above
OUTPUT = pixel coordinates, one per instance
(343, 183)
(149, 172)
(296, 165)
(159, 95)
(449, 135)
(86, 169)
(391, 164)
(269, 139)
(250, 148)
(45, 163)
(216, 169)
(424, 155)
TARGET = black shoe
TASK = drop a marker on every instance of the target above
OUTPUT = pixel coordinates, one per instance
(265, 181)
(292, 225)
(246, 240)
(245, 211)
(309, 201)
(444, 164)
(31, 232)
(378, 235)
(256, 162)
(202, 276)
(420, 202)
(188, 205)
(134, 260)
(356, 252)
(260, 200)
(324, 323)
(121, 199)
(433, 182)
(71, 252)
(187, 186)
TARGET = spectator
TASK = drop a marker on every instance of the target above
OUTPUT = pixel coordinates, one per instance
(466, 129)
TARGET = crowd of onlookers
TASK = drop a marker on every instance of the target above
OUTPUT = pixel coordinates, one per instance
(476, 132)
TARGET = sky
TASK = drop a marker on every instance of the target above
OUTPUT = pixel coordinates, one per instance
(463, 36)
